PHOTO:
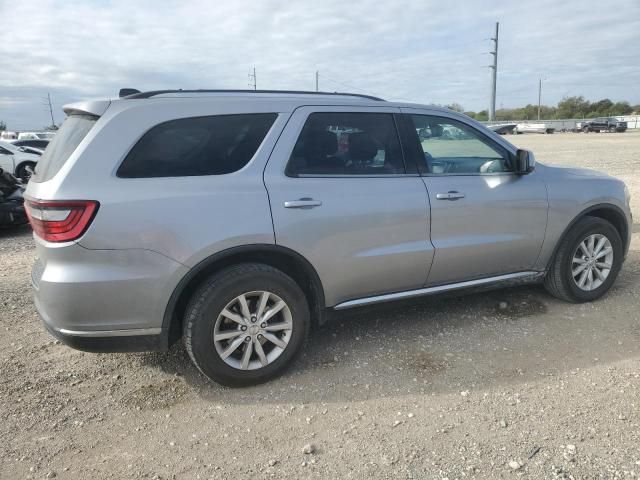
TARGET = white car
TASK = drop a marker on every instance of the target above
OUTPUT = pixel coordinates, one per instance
(36, 135)
(533, 128)
(17, 161)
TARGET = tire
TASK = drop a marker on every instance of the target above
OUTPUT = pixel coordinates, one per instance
(560, 281)
(585, 129)
(24, 171)
(203, 318)
(612, 129)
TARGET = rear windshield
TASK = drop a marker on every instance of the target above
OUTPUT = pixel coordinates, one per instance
(66, 140)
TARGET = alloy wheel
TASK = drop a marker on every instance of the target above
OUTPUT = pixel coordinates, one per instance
(592, 262)
(253, 330)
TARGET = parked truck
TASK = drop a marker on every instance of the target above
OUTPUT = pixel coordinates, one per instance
(605, 124)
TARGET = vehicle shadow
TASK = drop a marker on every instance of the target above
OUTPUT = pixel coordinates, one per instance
(15, 231)
(444, 344)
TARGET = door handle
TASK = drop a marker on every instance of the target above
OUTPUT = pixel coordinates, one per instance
(302, 203)
(450, 195)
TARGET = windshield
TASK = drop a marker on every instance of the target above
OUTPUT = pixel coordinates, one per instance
(66, 140)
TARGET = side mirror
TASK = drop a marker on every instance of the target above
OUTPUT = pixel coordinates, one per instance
(525, 162)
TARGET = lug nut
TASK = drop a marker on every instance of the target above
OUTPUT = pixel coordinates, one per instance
(243, 328)
(263, 325)
(260, 336)
(247, 339)
(254, 319)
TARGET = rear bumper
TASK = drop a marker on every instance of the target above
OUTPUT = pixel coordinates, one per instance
(103, 300)
(131, 342)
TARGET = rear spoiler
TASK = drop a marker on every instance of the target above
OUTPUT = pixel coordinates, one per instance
(91, 107)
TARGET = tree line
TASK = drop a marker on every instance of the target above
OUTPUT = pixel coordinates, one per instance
(568, 107)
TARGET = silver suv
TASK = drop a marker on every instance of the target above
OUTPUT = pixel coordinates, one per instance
(236, 220)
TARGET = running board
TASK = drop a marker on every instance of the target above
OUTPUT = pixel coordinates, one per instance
(510, 279)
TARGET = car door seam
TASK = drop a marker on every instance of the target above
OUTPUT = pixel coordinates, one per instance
(264, 182)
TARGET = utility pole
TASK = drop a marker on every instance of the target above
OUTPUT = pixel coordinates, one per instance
(253, 82)
(53, 122)
(539, 95)
(316, 80)
(494, 72)
(47, 103)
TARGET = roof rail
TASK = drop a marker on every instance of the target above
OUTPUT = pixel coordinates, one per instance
(153, 93)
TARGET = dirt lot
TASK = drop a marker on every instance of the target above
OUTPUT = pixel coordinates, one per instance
(438, 388)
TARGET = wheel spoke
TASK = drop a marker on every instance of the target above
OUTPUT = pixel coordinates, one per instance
(272, 311)
(244, 307)
(589, 279)
(584, 248)
(579, 260)
(599, 274)
(590, 244)
(227, 335)
(276, 327)
(232, 347)
(246, 356)
(604, 265)
(275, 340)
(579, 269)
(601, 243)
(264, 298)
(604, 252)
(226, 313)
(583, 278)
(260, 352)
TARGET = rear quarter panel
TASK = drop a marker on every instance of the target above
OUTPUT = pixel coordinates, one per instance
(186, 219)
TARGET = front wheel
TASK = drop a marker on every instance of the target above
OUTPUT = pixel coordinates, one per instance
(612, 129)
(585, 129)
(245, 324)
(587, 262)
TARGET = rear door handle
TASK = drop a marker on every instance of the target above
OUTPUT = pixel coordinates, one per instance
(450, 195)
(302, 203)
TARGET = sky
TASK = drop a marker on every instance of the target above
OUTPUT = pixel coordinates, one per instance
(422, 51)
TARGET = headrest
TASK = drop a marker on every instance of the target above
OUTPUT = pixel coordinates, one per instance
(320, 144)
(362, 146)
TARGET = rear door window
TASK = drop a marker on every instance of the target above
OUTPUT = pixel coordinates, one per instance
(71, 133)
(213, 145)
(346, 143)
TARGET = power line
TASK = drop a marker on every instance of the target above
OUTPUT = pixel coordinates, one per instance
(350, 87)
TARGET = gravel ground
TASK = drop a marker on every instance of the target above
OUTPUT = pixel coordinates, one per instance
(463, 387)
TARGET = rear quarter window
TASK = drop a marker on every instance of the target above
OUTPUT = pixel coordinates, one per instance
(64, 143)
(213, 145)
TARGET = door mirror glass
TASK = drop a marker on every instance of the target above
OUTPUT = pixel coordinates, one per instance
(525, 162)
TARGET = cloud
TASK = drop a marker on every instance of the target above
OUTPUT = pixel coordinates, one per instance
(422, 51)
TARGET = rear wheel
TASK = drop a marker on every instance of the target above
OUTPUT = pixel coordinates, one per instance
(25, 170)
(587, 262)
(245, 324)
(585, 129)
(612, 129)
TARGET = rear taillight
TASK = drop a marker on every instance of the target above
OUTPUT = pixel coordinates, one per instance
(60, 221)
